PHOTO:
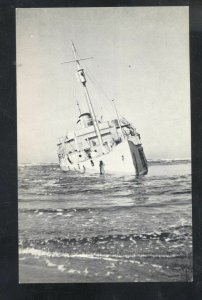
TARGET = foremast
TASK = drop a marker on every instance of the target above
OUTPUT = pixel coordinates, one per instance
(82, 78)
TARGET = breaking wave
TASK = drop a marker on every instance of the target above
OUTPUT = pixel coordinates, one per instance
(177, 233)
(168, 161)
(40, 253)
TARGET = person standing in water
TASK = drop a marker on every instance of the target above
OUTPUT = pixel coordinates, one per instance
(101, 164)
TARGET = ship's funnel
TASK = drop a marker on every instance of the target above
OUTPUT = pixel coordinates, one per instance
(85, 120)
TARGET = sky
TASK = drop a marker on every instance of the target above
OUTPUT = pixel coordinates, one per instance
(140, 59)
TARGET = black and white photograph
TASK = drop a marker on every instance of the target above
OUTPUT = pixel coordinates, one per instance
(104, 144)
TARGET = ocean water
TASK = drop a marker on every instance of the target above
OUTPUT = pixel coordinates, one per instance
(105, 228)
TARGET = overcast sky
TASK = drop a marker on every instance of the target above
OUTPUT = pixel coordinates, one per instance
(140, 58)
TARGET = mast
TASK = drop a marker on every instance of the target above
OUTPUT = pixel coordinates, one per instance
(89, 103)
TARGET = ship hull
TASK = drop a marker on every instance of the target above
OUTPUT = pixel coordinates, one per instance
(127, 157)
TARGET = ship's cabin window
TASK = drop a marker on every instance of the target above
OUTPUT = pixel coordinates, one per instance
(80, 155)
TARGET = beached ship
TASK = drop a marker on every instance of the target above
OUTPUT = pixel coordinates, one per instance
(98, 146)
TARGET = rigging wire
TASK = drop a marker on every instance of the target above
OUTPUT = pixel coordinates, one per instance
(99, 86)
(100, 89)
(94, 81)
